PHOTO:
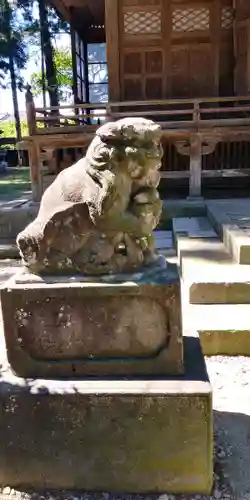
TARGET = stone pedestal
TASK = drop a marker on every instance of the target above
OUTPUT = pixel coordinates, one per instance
(144, 424)
(150, 435)
(70, 327)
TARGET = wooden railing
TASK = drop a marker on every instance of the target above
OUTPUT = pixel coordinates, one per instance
(8, 141)
(191, 114)
(197, 133)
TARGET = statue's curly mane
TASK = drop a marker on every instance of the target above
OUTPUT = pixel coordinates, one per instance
(118, 142)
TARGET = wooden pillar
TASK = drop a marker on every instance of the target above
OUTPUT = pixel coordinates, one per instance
(34, 149)
(248, 55)
(215, 33)
(113, 48)
(193, 148)
(195, 166)
(73, 56)
(30, 111)
(35, 171)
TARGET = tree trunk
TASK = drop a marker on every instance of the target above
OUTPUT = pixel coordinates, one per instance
(48, 55)
(14, 98)
(6, 28)
(43, 71)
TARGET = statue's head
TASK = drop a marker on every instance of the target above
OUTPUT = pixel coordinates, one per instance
(130, 143)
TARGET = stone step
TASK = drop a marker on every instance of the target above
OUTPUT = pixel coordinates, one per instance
(193, 227)
(223, 329)
(8, 249)
(14, 218)
(232, 222)
(8, 267)
(209, 272)
(164, 243)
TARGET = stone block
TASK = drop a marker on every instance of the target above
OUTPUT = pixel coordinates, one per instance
(224, 292)
(194, 227)
(8, 250)
(225, 342)
(13, 219)
(128, 435)
(68, 326)
(223, 329)
(210, 273)
(232, 222)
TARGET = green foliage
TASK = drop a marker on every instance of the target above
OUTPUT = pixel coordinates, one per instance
(8, 129)
(63, 65)
(12, 45)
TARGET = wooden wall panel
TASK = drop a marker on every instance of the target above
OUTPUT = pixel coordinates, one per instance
(201, 70)
(171, 48)
(242, 9)
(179, 72)
(191, 74)
(141, 70)
(192, 39)
(226, 48)
(241, 70)
(226, 82)
(141, 49)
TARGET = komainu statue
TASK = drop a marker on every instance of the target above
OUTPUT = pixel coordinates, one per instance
(97, 217)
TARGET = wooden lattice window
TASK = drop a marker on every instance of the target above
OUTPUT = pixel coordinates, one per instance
(190, 19)
(142, 22)
(227, 18)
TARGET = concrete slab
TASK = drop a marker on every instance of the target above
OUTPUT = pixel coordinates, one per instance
(15, 219)
(231, 220)
(163, 240)
(115, 435)
(16, 203)
(8, 250)
(223, 329)
(162, 234)
(183, 208)
(194, 227)
(164, 243)
(8, 267)
(210, 273)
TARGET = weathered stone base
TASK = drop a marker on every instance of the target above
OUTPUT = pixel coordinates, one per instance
(223, 329)
(225, 342)
(231, 220)
(66, 327)
(113, 435)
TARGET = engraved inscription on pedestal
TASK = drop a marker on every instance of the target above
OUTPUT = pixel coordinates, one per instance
(101, 329)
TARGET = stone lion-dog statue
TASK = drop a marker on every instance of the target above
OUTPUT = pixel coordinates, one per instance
(98, 215)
